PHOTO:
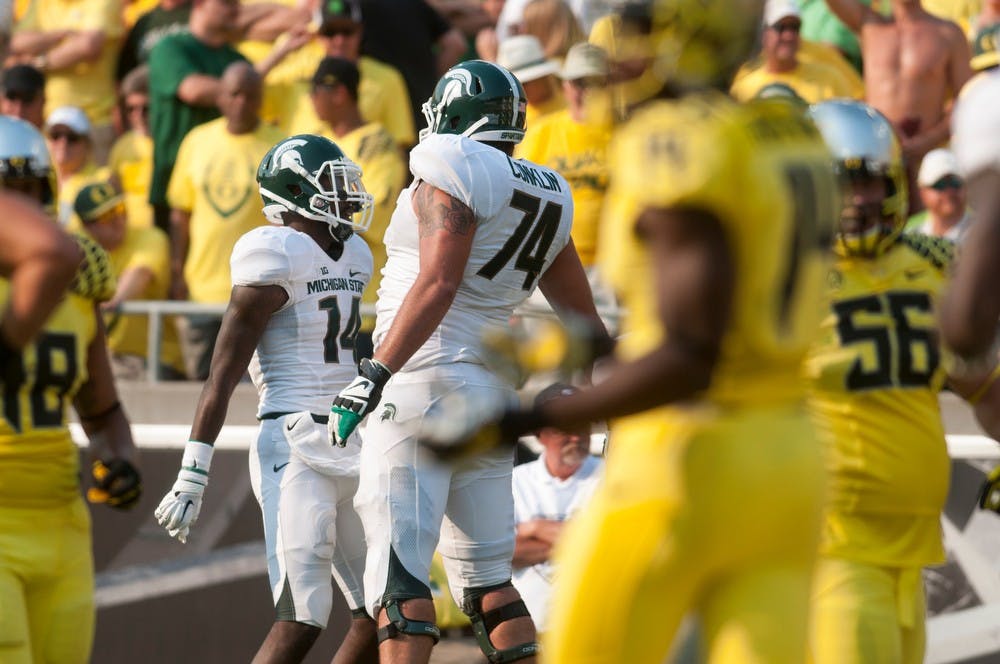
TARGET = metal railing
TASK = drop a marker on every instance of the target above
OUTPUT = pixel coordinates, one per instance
(156, 310)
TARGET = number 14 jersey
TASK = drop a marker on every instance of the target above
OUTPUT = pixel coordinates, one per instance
(523, 218)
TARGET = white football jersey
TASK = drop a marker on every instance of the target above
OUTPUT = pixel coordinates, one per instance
(306, 354)
(976, 126)
(523, 216)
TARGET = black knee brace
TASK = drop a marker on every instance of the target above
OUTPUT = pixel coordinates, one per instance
(484, 623)
(400, 624)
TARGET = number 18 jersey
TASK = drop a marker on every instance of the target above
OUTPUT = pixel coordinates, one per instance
(523, 218)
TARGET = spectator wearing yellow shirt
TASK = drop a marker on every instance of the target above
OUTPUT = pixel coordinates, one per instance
(574, 142)
(370, 146)
(140, 261)
(811, 80)
(382, 94)
(23, 94)
(523, 56)
(213, 197)
(75, 43)
(69, 137)
(131, 159)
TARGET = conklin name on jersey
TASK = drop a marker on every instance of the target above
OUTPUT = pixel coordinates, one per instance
(307, 350)
(523, 218)
(875, 376)
(764, 172)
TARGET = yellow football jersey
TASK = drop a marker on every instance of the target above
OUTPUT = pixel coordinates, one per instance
(875, 374)
(38, 460)
(764, 172)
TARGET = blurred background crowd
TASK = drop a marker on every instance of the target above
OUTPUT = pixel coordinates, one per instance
(158, 112)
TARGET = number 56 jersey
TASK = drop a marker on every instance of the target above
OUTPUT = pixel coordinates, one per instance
(523, 218)
(306, 352)
(875, 375)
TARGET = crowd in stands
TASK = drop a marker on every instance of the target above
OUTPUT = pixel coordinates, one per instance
(157, 113)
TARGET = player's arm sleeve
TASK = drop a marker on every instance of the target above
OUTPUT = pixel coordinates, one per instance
(265, 258)
(441, 161)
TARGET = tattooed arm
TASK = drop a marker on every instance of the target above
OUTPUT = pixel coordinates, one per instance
(447, 228)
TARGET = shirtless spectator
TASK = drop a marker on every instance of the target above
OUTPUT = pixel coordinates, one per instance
(915, 65)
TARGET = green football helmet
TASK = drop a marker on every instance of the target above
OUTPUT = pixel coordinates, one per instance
(25, 164)
(312, 177)
(477, 99)
(864, 145)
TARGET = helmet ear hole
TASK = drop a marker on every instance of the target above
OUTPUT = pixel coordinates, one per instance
(294, 189)
(454, 122)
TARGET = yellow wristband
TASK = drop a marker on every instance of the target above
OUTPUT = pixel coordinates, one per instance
(981, 391)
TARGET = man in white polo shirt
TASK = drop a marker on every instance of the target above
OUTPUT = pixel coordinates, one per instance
(547, 492)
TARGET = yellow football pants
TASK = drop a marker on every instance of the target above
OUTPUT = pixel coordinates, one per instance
(867, 614)
(716, 515)
(46, 585)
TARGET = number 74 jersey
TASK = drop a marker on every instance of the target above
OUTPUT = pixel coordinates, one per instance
(523, 217)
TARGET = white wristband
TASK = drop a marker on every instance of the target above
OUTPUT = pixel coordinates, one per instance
(197, 457)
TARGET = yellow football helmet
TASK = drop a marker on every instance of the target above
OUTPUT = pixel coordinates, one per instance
(864, 145)
(692, 44)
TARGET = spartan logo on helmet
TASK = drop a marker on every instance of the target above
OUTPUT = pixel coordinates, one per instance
(477, 99)
(312, 177)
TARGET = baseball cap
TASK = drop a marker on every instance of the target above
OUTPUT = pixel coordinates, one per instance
(338, 12)
(22, 81)
(337, 71)
(775, 10)
(554, 391)
(69, 116)
(584, 60)
(984, 48)
(936, 164)
(95, 200)
(524, 57)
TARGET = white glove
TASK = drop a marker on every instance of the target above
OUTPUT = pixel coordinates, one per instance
(356, 400)
(180, 507)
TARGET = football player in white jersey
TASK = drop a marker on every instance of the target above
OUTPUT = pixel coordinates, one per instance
(471, 238)
(292, 318)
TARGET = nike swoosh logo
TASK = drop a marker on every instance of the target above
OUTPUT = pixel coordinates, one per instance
(277, 468)
(355, 273)
(913, 274)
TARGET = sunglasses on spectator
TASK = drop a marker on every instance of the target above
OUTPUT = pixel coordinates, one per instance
(69, 136)
(789, 26)
(142, 108)
(948, 182)
(587, 83)
(108, 216)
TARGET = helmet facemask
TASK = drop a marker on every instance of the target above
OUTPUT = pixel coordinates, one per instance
(336, 196)
(870, 219)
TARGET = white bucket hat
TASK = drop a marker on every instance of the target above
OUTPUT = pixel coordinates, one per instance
(524, 57)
